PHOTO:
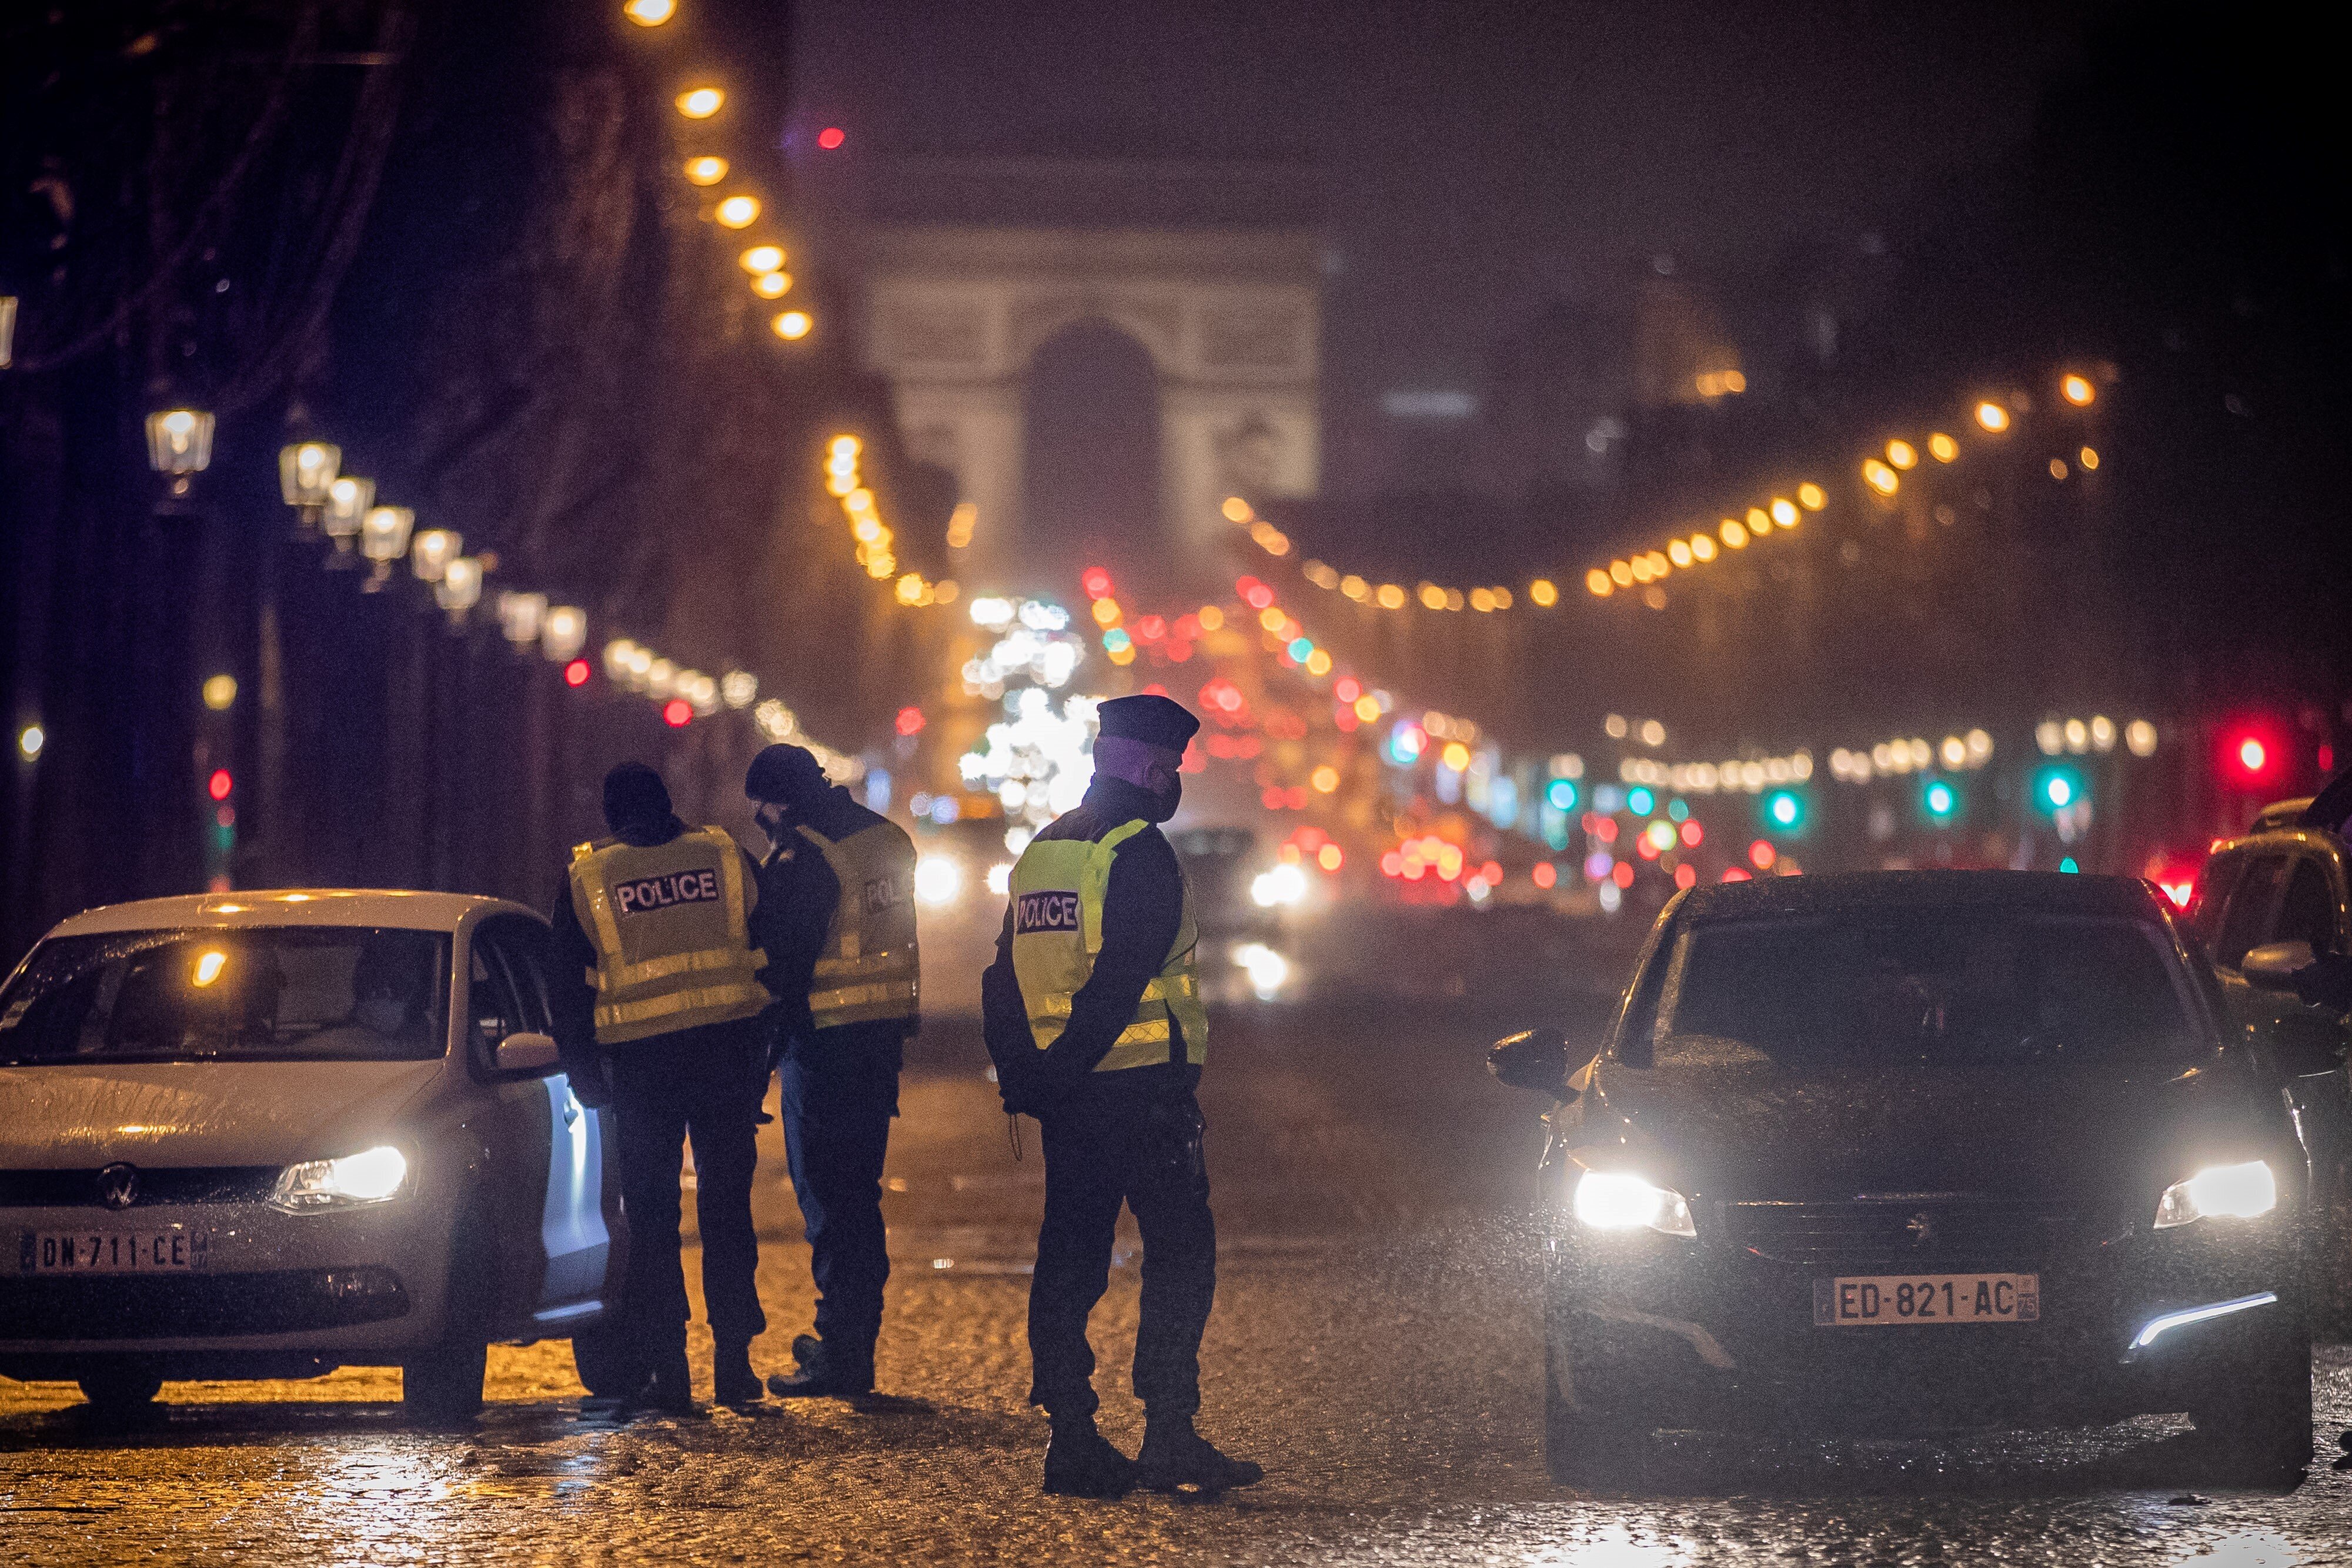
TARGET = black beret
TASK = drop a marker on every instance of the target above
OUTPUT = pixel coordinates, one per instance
(1154, 720)
(635, 796)
(783, 772)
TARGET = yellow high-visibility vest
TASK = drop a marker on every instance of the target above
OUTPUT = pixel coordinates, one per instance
(1058, 886)
(869, 969)
(672, 940)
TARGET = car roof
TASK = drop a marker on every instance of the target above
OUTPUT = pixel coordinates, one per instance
(2062, 893)
(397, 908)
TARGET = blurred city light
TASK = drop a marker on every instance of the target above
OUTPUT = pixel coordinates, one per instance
(793, 325)
(706, 171)
(937, 880)
(764, 258)
(1993, 417)
(831, 137)
(29, 741)
(1942, 448)
(700, 103)
(220, 692)
(2078, 390)
(738, 212)
(649, 13)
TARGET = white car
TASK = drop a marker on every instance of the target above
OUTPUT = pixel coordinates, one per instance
(266, 1134)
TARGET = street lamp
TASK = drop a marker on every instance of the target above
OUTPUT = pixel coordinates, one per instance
(306, 475)
(348, 501)
(384, 538)
(459, 587)
(7, 330)
(431, 552)
(521, 616)
(180, 444)
(565, 633)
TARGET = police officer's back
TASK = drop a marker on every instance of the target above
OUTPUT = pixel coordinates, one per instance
(658, 993)
(1095, 1021)
(842, 879)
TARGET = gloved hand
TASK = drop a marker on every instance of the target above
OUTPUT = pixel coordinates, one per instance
(1024, 1086)
(589, 1086)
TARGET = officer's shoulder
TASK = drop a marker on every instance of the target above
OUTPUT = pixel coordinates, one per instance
(1149, 843)
(581, 852)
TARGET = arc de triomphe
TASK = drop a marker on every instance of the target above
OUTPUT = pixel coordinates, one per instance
(1230, 313)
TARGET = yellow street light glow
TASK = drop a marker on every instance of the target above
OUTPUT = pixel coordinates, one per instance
(1354, 587)
(1319, 662)
(1759, 521)
(649, 13)
(1545, 594)
(1735, 537)
(700, 103)
(1502, 597)
(762, 259)
(1640, 567)
(1324, 779)
(2078, 390)
(706, 171)
(1812, 497)
(1620, 572)
(209, 964)
(1902, 453)
(1456, 756)
(1368, 708)
(1597, 583)
(738, 212)
(1702, 547)
(2090, 457)
(1879, 477)
(1105, 613)
(1784, 512)
(2057, 468)
(1679, 553)
(1992, 416)
(793, 325)
(1271, 617)
(1481, 600)
(1236, 510)
(1657, 560)
(220, 692)
(1943, 447)
(1211, 618)
(1389, 596)
(1431, 596)
(772, 285)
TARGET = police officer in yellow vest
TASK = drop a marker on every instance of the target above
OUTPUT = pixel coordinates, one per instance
(1095, 1021)
(659, 992)
(842, 879)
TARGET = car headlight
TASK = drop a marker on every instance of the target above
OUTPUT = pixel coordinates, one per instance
(937, 880)
(2225, 1192)
(1612, 1200)
(374, 1175)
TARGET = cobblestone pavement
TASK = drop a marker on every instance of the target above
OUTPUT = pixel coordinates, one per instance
(1375, 1344)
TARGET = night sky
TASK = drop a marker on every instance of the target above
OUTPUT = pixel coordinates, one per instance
(1481, 159)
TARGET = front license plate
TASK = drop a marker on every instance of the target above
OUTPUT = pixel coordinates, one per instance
(1869, 1301)
(168, 1249)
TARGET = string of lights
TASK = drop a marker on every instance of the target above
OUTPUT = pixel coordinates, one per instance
(873, 537)
(1771, 515)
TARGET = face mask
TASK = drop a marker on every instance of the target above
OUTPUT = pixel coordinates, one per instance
(382, 1014)
(1163, 805)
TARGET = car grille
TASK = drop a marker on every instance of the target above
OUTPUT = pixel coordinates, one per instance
(197, 1306)
(1896, 1230)
(154, 1187)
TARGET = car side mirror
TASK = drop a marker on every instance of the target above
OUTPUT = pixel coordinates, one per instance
(1532, 1058)
(2275, 965)
(527, 1051)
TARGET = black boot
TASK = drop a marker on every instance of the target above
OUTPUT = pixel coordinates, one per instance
(668, 1391)
(1081, 1462)
(1175, 1456)
(732, 1381)
(825, 1373)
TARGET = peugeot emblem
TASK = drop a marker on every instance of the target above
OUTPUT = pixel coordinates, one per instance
(118, 1186)
(1922, 1228)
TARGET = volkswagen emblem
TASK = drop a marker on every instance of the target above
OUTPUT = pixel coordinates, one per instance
(1922, 1228)
(118, 1186)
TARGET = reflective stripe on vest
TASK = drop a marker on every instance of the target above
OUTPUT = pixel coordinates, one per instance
(1058, 890)
(870, 968)
(673, 944)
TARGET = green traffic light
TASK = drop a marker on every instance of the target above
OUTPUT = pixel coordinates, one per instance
(2057, 787)
(1785, 809)
(1941, 800)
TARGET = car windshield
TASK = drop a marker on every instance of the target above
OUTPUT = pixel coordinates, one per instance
(268, 993)
(1958, 985)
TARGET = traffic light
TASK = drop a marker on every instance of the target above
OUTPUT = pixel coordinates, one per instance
(2254, 757)
(1783, 811)
(1560, 794)
(1940, 800)
(2058, 786)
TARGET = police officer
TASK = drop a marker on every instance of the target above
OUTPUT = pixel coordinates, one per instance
(659, 996)
(1094, 1017)
(842, 879)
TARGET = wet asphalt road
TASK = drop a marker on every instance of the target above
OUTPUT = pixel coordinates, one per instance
(1375, 1344)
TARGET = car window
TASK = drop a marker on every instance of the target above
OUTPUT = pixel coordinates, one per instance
(257, 993)
(2219, 879)
(493, 1010)
(1936, 984)
(2308, 912)
(522, 946)
(2245, 922)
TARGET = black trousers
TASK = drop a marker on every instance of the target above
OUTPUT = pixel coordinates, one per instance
(839, 1091)
(703, 1084)
(1102, 1150)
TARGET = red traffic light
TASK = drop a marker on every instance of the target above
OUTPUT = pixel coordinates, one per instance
(910, 721)
(575, 673)
(677, 713)
(219, 784)
(831, 137)
(2252, 755)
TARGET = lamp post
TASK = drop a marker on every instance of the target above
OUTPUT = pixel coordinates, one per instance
(7, 330)
(349, 499)
(179, 445)
(306, 477)
(384, 538)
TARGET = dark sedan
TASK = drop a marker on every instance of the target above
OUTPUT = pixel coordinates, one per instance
(1910, 1152)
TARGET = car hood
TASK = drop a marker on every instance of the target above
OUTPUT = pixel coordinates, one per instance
(198, 1113)
(1760, 1129)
